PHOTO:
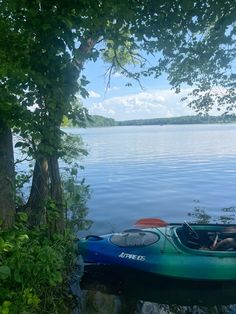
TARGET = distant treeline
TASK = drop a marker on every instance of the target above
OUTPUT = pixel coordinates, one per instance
(92, 122)
(100, 121)
(182, 120)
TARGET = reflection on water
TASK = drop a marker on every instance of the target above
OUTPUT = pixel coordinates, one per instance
(199, 214)
(114, 290)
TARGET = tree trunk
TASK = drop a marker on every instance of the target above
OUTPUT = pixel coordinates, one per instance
(46, 176)
(36, 206)
(56, 192)
(7, 177)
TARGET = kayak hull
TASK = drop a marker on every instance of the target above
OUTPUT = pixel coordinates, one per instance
(160, 252)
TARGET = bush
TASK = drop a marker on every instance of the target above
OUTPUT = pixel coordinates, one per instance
(34, 269)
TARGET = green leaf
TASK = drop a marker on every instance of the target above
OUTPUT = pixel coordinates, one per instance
(5, 307)
(17, 276)
(5, 272)
(23, 237)
(23, 217)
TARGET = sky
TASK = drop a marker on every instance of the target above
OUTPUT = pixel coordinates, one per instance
(120, 102)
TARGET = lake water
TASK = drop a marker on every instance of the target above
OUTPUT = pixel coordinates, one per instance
(159, 171)
(176, 173)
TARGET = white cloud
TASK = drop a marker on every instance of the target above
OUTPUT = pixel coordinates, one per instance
(117, 74)
(113, 88)
(101, 109)
(147, 104)
(93, 94)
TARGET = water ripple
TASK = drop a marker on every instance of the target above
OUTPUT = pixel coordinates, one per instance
(155, 171)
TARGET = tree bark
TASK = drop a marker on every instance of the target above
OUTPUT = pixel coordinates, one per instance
(36, 205)
(7, 177)
(56, 192)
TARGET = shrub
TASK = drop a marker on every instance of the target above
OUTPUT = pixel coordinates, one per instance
(34, 269)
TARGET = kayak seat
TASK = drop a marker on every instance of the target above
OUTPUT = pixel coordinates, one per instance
(226, 244)
(186, 239)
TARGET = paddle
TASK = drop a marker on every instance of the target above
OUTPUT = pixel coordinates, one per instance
(151, 222)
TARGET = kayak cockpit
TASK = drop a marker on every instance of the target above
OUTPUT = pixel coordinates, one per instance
(207, 237)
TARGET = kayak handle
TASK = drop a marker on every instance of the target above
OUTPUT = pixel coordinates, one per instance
(93, 237)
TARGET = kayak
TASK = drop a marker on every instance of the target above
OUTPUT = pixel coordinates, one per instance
(179, 251)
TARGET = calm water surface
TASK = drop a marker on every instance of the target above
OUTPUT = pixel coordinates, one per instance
(157, 171)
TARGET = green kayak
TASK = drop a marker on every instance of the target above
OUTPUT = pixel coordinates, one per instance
(180, 251)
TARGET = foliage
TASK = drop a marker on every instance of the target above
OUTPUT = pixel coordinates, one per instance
(93, 121)
(72, 148)
(36, 263)
(100, 121)
(34, 269)
(76, 195)
(22, 179)
(200, 52)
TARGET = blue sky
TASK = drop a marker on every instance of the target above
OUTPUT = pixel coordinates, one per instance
(121, 102)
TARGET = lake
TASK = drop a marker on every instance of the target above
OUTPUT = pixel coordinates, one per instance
(159, 171)
(176, 173)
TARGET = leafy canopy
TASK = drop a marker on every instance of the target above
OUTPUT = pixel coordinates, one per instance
(44, 46)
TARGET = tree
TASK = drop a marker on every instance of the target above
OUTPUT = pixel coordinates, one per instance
(12, 79)
(51, 84)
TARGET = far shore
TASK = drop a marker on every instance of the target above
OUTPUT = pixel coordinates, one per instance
(100, 121)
